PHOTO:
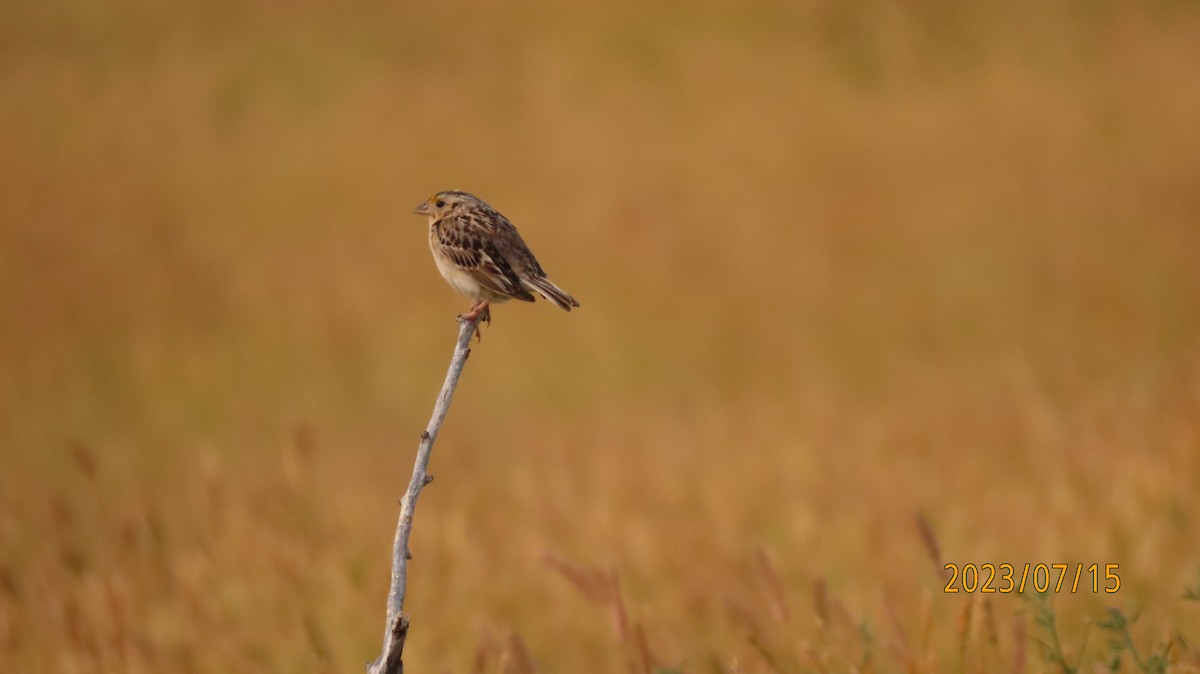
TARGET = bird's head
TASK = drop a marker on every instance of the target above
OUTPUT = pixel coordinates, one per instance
(444, 203)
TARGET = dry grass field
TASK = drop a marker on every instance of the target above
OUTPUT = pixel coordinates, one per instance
(868, 287)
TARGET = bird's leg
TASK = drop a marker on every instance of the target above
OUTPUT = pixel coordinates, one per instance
(478, 308)
(479, 313)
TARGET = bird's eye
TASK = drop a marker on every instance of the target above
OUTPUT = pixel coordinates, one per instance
(440, 203)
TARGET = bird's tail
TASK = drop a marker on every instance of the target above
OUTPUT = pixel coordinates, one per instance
(547, 289)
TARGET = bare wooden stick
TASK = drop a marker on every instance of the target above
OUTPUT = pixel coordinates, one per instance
(396, 628)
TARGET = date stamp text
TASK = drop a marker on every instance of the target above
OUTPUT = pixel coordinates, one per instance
(1007, 578)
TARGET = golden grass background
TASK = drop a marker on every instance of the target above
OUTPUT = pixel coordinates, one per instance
(843, 265)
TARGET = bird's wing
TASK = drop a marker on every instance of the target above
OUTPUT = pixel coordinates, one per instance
(470, 243)
(515, 251)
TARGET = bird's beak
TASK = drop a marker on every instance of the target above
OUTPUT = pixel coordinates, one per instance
(424, 209)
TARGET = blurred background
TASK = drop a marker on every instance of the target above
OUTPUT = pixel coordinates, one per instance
(868, 287)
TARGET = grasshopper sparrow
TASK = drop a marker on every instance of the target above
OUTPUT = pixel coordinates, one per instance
(481, 255)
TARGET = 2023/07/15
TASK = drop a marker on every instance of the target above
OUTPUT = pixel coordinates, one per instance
(1006, 578)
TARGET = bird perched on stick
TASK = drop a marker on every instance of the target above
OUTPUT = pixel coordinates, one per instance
(481, 255)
